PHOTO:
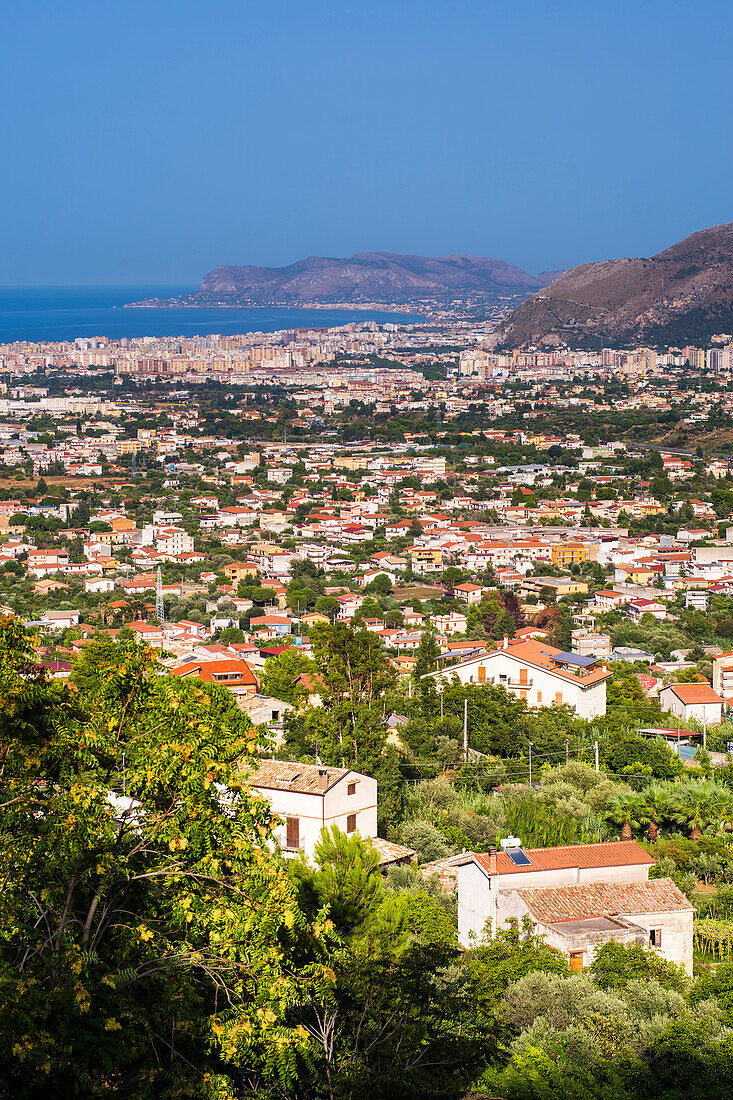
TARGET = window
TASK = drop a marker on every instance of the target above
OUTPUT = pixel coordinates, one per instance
(539, 697)
(351, 789)
(576, 960)
(293, 832)
(655, 937)
(558, 698)
(351, 823)
(482, 674)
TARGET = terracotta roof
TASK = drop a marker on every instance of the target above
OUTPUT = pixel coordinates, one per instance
(695, 693)
(615, 853)
(556, 904)
(538, 654)
(389, 852)
(238, 672)
(283, 775)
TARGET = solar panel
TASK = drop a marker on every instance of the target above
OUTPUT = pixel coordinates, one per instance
(520, 858)
(574, 659)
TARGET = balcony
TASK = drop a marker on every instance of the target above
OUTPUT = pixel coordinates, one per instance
(512, 683)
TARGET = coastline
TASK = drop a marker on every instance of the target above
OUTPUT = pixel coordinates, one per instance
(366, 307)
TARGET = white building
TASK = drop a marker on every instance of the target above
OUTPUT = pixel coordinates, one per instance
(99, 584)
(173, 540)
(308, 798)
(452, 623)
(723, 675)
(538, 673)
(60, 620)
(579, 897)
(697, 701)
(588, 643)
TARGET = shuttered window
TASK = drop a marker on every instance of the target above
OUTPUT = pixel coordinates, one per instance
(293, 832)
(576, 960)
(351, 823)
(351, 788)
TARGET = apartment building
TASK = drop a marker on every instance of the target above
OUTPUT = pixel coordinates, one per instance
(538, 673)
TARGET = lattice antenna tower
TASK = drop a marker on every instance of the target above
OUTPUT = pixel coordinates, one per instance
(159, 605)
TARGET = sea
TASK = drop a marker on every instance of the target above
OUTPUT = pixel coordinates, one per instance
(49, 313)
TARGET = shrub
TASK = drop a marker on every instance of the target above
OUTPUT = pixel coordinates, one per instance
(427, 841)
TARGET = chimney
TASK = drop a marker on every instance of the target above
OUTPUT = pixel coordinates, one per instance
(493, 890)
(506, 642)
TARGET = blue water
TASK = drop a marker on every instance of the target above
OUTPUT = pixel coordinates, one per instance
(47, 313)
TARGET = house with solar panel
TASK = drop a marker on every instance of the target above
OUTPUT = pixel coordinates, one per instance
(538, 673)
(579, 897)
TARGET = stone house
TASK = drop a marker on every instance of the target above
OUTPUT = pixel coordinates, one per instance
(579, 897)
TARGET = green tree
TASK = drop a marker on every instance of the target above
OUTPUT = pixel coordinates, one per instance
(280, 673)
(143, 924)
(355, 675)
(426, 657)
(617, 964)
(696, 804)
(401, 1021)
(630, 810)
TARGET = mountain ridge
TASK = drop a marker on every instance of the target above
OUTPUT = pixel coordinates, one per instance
(681, 294)
(365, 277)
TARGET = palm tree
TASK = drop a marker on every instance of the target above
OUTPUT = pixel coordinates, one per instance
(628, 809)
(137, 608)
(724, 806)
(658, 798)
(696, 804)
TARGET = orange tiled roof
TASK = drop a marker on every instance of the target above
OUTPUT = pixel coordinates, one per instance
(616, 853)
(210, 671)
(542, 655)
(695, 693)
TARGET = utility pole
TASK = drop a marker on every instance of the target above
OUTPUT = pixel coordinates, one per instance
(567, 752)
(530, 763)
(465, 729)
(595, 748)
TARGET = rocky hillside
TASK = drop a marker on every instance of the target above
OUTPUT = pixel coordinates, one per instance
(681, 295)
(367, 277)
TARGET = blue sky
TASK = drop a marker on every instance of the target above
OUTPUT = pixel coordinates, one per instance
(151, 141)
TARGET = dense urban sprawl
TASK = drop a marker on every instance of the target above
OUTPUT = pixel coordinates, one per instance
(452, 623)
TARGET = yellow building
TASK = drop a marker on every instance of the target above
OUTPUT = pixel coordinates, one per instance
(425, 560)
(569, 553)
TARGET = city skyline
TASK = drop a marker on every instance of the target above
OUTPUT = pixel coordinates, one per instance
(155, 149)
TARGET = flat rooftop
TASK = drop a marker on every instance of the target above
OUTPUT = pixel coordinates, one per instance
(591, 924)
